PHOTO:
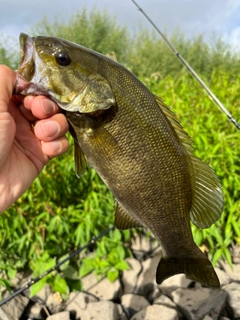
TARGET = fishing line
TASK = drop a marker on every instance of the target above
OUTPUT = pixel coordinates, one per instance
(190, 69)
(70, 256)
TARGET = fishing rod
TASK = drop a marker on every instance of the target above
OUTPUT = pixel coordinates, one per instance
(190, 69)
(57, 266)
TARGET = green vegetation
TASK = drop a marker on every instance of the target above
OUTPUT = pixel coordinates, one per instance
(9, 52)
(60, 212)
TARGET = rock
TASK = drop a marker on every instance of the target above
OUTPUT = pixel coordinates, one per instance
(132, 303)
(122, 317)
(165, 301)
(106, 310)
(174, 282)
(154, 294)
(224, 278)
(234, 273)
(43, 294)
(15, 307)
(64, 315)
(195, 304)
(146, 281)
(103, 289)
(89, 281)
(3, 315)
(236, 254)
(16, 281)
(129, 277)
(35, 311)
(156, 312)
(54, 303)
(233, 297)
(207, 318)
(122, 314)
(142, 246)
(77, 302)
(136, 243)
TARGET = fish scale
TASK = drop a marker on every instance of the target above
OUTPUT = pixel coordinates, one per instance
(135, 143)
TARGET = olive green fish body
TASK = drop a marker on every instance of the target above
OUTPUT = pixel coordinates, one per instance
(135, 144)
(146, 168)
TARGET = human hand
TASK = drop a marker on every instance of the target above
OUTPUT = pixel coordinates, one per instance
(31, 133)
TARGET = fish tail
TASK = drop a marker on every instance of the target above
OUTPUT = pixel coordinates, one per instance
(197, 268)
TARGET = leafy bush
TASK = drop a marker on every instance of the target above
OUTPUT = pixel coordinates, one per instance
(58, 214)
(148, 54)
(9, 54)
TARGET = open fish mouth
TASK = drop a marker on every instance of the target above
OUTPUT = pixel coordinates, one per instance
(23, 87)
(27, 76)
(26, 49)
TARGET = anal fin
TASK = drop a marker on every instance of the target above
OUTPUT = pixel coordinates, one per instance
(124, 221)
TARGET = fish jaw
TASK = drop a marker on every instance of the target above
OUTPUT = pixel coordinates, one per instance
(27, 88)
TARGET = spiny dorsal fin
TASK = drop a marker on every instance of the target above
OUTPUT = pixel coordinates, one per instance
(183, 136)
(124, 221)
(207, 197)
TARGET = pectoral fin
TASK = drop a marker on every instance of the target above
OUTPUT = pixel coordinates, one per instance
(124, 221)
(80, 160)
(79, 157)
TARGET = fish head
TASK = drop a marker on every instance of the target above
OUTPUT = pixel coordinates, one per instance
(64, 71)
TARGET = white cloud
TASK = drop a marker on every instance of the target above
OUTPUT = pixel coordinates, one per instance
(192, 16)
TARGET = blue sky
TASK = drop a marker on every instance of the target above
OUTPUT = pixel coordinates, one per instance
(192, 16)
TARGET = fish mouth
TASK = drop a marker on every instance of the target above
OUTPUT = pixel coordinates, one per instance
(26, 49)
(26, 76)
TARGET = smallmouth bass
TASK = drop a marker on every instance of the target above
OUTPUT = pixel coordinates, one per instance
(136, 145)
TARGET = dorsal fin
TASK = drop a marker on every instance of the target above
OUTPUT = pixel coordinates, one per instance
(183, 136)
(207, 197)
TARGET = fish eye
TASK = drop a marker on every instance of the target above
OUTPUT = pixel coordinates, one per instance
(63, 58)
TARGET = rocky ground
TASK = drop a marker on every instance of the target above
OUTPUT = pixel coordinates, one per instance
(136, 296)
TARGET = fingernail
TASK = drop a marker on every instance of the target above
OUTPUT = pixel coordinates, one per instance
(50, 128)
(48, 107)
(56, 147)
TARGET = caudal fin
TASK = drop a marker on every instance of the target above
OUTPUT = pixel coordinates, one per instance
(197, 268)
